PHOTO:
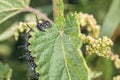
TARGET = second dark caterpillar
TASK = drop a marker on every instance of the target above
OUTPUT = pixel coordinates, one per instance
(31, 63)
(30, 59)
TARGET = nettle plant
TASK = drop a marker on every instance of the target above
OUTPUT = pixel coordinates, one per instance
(58, 50)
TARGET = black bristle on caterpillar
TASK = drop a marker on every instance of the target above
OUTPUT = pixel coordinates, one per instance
(32, 64)
(28, 56)
(34, 76)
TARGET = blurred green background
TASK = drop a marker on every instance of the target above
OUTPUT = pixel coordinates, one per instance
(106, 12)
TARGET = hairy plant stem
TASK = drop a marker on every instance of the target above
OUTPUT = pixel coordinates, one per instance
(38, 13)
(55, 8)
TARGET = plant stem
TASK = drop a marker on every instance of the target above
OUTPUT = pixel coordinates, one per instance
(38, 13)
(58, 11)
(55, 8)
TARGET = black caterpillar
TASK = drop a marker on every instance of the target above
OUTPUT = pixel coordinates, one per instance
(30, 59)
(41, 27)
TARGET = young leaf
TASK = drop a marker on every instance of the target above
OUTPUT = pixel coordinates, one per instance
(5, 72)
(57, 52)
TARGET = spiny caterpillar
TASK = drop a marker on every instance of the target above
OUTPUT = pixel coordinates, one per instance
(42, 26)
(31, 63)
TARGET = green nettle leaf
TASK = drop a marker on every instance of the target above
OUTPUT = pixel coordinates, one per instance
(9, 8)
(5, 72)
(57, 52)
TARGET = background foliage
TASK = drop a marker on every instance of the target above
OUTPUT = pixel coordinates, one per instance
(12, 12)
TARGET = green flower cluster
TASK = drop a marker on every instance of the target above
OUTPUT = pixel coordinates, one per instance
(88, 21)
(116, 77)
(101, 46)
(116, 59)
